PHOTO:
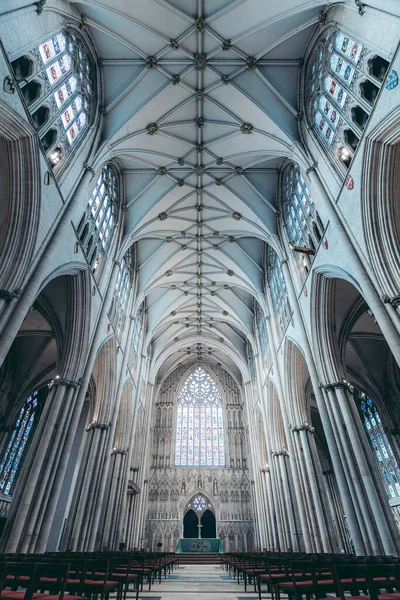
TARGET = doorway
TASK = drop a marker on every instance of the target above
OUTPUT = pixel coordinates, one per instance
(208, 525)
(190, 525)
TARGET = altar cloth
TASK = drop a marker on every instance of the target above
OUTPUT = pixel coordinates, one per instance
(199, 545)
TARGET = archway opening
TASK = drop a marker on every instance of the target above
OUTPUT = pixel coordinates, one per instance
(190, 525)
(208, 525)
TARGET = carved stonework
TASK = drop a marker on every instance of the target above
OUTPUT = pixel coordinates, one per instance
(200, 24)
(40, 6)
(246, 128)
(251, 63)
(151, 62)
(200, 62)
(152, 128)
(199, 170)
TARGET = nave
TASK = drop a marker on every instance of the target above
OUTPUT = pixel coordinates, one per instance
(199, 279)
(198, 582)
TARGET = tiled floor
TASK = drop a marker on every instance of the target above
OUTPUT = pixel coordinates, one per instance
(198, 582)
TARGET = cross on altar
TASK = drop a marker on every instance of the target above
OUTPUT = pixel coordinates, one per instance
(199, 526)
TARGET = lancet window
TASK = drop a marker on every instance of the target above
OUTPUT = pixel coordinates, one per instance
(18, 442)
(121, 294)
(58, 82)
(342, 82)
(97, 225)
(277, 286)
(381, 447)
(302, 222)
(200, 423)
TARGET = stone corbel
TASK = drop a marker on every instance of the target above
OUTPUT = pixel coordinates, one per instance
(90, 169)
(40, 6)
(313, 167)
(360, 6)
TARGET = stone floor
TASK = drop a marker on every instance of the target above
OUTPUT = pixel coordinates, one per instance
(199, 582)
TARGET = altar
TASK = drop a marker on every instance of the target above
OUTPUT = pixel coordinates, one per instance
(199, 545)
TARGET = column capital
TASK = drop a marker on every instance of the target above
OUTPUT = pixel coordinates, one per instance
(8, 296)
(336, 385)
(96, 425)
(302, 427)
(393, 301)
(282, 452)
(65, 382)
(118, 451)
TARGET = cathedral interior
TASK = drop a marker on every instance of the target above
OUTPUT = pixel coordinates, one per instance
(200, 277)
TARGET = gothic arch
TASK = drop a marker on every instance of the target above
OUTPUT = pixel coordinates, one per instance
(380, 191)
(19, 219)
(355, 358)
(297, 377)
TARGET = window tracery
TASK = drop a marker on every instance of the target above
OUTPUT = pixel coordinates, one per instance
(58, 82)
(343, 79)
(302, 222)
(387, 464)
(199, 426)
(97, 225)
(18, 442)
(199, 504)
(277, 285)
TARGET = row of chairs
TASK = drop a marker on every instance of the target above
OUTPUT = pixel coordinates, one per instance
(78, 576)
(319, 576)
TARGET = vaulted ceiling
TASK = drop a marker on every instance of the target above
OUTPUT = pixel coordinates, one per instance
(201, 109)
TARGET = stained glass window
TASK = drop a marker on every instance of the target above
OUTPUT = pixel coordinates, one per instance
(199, 423)
(199, 504)
(57, 54)
(17, 444)
(381, 447)
(332, 72)
(95, 231)
(303, 225)
(277, 286)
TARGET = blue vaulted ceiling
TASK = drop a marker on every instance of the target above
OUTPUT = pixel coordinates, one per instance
(201, 109)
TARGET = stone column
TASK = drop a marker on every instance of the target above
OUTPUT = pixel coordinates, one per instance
(325, 420)
(337, 512)
(361, 512)
(281, 456)
(304, 430)
(285, 419)
(380, 509)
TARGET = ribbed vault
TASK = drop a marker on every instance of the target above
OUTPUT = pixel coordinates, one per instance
(200, 98)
